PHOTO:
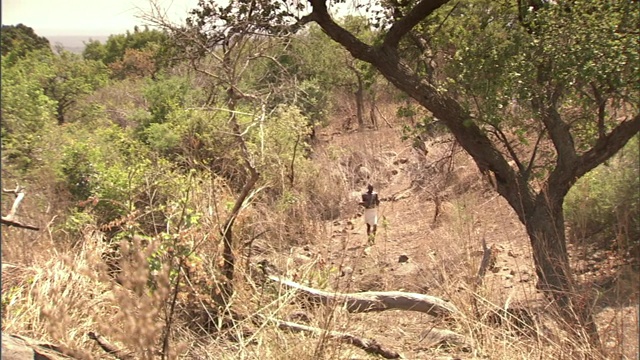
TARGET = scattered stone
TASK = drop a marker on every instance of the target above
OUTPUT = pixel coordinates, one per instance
(403, 259)
(525, 278)
(347, 270)
(401, 161)
(512, 254)
(300, 259)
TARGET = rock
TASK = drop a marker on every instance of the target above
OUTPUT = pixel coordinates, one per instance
(347, 270)
(403, 259)
(400, 161)
(14, 349)
(23, 348)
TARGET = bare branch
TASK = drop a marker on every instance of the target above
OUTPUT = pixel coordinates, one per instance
(9, 218)
(374, 301)
(110, 348)
(368, 345)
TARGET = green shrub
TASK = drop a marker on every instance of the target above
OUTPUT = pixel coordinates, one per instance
(605, 204)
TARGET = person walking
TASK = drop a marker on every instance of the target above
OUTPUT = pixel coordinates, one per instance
(370, 201)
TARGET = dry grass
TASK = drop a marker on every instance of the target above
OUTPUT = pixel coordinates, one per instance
(55, 291)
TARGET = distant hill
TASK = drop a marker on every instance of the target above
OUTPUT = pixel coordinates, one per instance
(75, 43)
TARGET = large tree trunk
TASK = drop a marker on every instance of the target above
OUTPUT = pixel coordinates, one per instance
(545, 227)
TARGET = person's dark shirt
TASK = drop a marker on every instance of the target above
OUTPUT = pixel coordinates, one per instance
(370, 200)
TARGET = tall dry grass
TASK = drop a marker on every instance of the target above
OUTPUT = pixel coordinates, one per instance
(59, 289)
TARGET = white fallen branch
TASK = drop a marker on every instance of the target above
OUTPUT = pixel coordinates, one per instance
(9, 219)
(368, 345)
(374, 301)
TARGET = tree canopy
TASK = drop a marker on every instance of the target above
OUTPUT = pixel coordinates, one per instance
(21, 39)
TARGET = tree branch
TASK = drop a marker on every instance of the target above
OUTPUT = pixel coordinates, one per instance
(401, 27)
(374, 301)
(9, 218)
(608, 145)
(357, 48)
(110, 348)
(368, 345)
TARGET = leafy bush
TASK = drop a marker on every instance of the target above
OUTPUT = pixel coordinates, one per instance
(26, 111)
(605, 203)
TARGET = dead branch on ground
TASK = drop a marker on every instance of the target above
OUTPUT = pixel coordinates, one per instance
(9, 219)
(374, 301)
(110, 348)
(368, 345)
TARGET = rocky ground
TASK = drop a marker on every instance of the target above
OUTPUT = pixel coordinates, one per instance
(417, 251)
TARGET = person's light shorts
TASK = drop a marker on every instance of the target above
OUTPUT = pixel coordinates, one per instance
(371, 216)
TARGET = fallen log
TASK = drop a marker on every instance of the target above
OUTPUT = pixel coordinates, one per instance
(374, 301)
(368, 345)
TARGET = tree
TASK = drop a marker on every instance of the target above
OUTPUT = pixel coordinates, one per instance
(72, 78)
(136, 53)
(21, 39)
(323, 61)
(577, 114)
(552, 89)
(25, 109)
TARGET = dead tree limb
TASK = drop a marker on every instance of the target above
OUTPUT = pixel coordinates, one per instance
(9, 218)
(110, 348)
(374, 301)
(368, 345)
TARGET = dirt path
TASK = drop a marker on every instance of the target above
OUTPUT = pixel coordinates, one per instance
(413, 254)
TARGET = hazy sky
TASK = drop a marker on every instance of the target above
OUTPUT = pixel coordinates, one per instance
(86, 17)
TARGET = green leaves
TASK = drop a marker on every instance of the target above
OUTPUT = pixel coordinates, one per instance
(21, 40)
(26, 110)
